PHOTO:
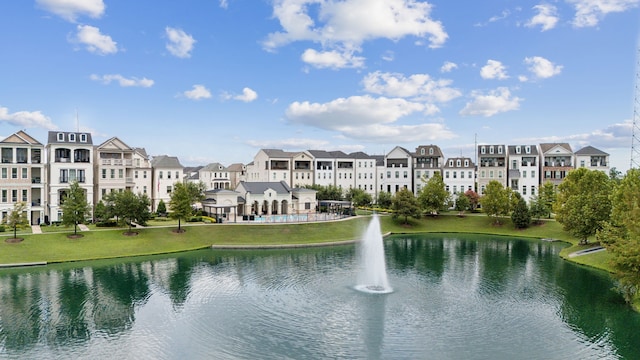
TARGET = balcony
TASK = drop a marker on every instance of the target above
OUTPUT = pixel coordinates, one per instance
(63, 159)
(35, 180)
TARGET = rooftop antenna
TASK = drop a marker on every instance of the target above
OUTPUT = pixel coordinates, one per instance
(77, 121)
(635, 130)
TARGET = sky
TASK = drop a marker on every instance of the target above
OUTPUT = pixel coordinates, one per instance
(218, 80)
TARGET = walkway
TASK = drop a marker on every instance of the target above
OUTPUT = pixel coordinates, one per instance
(83, 227)
(35, 229)
(587, 251)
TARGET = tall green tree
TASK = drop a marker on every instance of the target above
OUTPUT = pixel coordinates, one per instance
(75, 207)
(547, 197)
(583, 202)
(384, 200)
(17, 217)
(621, 234)
(183, 197)
(329, 192)
(162, 208)
(462, 203)
(434, 197)
(359, 197)
(520, 213)
(131, 207)
(406, 205)
(537, 210)
(495, 201)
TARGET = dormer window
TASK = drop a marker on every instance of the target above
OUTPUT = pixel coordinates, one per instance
(527, 149)
(430, 151)
(483, 150)
(450, 163)
(458, 163)
(499, 149)
(466, 163)
(83, 138)
(422, 151)
(60, 136)
(518, 149)
(491, 149)
(72, 137)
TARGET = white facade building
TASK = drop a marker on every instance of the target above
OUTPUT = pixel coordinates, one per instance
(427, 160)
(167, 171)
(492, 165)
(458, 175)
(592, 159)
(397, 172)
(524, 170)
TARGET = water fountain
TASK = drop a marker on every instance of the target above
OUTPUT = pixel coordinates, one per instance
(372, 277)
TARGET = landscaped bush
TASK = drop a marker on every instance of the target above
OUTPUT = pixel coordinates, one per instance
(107, 223)
(195, 219)
(1, 228)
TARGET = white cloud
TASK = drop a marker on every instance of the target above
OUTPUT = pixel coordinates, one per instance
(448, 66)
(614, 136)
(417, 86)
(224, 4)
(496, 101)
(124, 82)
(332, 59)
(494, 70)
(547, 17)
(197, 93)
(180, 43)
(247, 95)
(71, 9)
(94, 41)
(28, 119)
(503, 15)
(542, 68)
(388, 56)
(290, 144)
(590, 12)
(333, 24)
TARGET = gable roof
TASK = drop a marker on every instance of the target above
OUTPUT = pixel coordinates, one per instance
(21, 137)
(590, 150)
(166, 162)
(213, 167)
(114, 144)
(546, 147)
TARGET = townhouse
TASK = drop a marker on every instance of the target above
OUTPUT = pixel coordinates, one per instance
(166, 171)
(397, 171)
(592, 159)
(492, 165)
(524, 172)
(459, 175)
(557, 161)
(22, 176)
(427, 160)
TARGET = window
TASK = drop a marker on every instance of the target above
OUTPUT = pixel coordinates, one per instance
(533, 190)
(168, 174)
(388, 174)
(160, 175)
(60, 136)
(14, 195)
(430, 151)
(169, 189)
(418, 174)
(177, 176)
(4, 196)
(4, 173)
(499, 149)
(72, 137)
(113, 173)
(470, 175)
(447, 188)
(455, 189)
(491, 174)
(446, 174)
(144, 189)
(500, 174)
(25, 173)
(455, 174)
(482, 173)
(458, 163)
(83, 138)
(14, 173)
(518, 149)
(144, 174)
(422, 151)
(491, 149)
(461, 174)
(24, 195)
(274, 176)
(339, 175)
(483, 150)
(527, 149)
(524, 189)
(120, 173)
(524, 174)
(581, 163)
(533, 173)
(135, 174)
(405, 174)
(450, 163)
(21, 155)
(104, 173)
(307, 206)
(397, 174)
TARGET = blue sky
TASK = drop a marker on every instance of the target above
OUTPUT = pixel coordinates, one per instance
(215, 81)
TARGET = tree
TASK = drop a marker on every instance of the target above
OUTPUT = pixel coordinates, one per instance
(433, 197)
(162, 208)
(384, 200)
(359, 197)
(520, 215)
(621, 234)
(131, 207)
(583, 202)
(405, 204)
(462, 203)
(495, 201)
(183, 196)
(537, 210)
(74, 207)
(474, 199)
(100, 213)
(547, 197)
(615, 174)
(17, 217)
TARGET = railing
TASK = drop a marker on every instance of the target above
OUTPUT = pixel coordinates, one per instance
(35, 180)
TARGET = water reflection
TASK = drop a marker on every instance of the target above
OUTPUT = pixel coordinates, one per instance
(456, 297)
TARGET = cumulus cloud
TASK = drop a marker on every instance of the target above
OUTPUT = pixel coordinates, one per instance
(198, 92)
(332, 59)
(496, 101)
(366, 118)
(494, 70)
(247, 95)
(27, 119)
(448, 66)
(613, 136)
(123, 81)
(542, 68)
(180, 43)
(71, 9)
(590, 12)
(333, 24)
(94, 41)
(417, 86)
(546, 18)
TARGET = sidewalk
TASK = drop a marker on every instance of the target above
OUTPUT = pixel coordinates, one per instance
(35, 229)
(83, 227)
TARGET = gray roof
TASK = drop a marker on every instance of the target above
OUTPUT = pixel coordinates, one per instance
(164, 161)
(213, 167)
(512, 150)
(260, 187)
(236, 167)
(379, 159)
(462, 159)
(220, 191)
(590, 150)
(53, 137)
(141, 151)
(436, 151)
(360, 155)
(277, 153)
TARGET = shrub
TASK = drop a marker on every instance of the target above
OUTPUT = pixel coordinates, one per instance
(107, 223)
(1, 228)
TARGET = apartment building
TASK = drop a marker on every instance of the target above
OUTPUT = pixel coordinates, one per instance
(397, 171)
(302, 169)
(592, 159)
(237, 173)
(365, 172)
(324, 165)
(427, 160)
(557, 161)
(70, 159)
(119, 167)
(492, 165)
(458, 175)
(22, 176)
(524, 170)
(214, 176)
(166, 171)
